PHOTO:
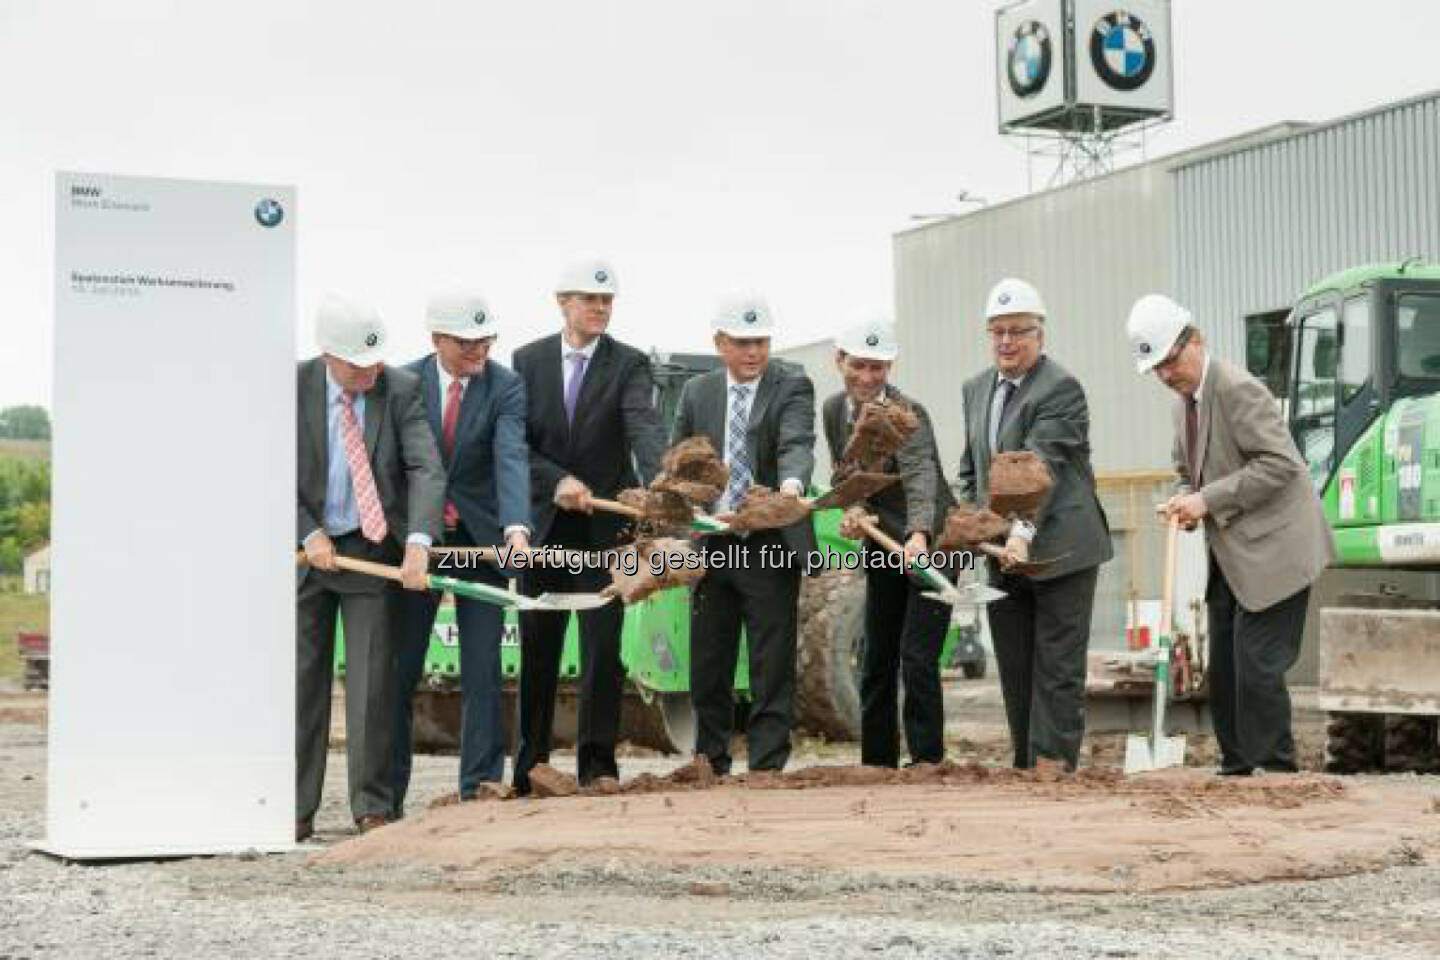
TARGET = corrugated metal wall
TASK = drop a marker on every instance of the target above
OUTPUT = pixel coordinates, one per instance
(1254, 227)
(818, 359)
(1091, 249)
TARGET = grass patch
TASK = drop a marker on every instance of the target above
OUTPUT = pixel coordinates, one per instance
(20, 611)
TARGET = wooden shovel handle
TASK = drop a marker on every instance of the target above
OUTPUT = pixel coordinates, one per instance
(615, 506)
(360, 566)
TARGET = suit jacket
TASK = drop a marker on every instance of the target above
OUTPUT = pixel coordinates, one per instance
(1047, 415)
(922, 497)
(616, 431)
(1265, 524)
(488, 477)
(403, 457)
(780, 438)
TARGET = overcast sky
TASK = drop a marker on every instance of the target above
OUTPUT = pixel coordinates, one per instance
(702, 147)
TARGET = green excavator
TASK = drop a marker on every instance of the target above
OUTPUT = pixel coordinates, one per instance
(1363, 404)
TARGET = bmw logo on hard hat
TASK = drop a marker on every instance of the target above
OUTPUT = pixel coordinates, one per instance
(1029, 59)
(1122, 50)
(372, 339)
(601, 276)
(1004, 298)
(750, 316)
(269, 213)
(1144, 347)
(872, 341)
(479, 318)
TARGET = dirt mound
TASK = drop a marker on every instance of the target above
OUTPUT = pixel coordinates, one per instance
(1093, 831)
(880, 430)
(666, 555)
(966, 526)
(546, 782)
(1019, 484)
(765, 509)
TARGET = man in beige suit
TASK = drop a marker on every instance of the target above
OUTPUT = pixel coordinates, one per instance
(1241, 475)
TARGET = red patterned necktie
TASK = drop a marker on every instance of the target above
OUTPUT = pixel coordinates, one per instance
(367, 499)
(447, 438)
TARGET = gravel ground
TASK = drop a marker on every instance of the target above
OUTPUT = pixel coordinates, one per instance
(281, 906)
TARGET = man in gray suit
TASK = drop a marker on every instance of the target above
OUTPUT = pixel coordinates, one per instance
(1241, 475)
(1041, 629)
(904, 630)
(476, 411)
(370, 487)
(760, 413)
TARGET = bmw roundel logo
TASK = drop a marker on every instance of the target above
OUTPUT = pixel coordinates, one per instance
(872, 341)
(479, 318)
(269, 213)
(750, 316)
(1144, 348)
(1004, 298)
(1122, 50)
(372, 339)
(1028, 62)
(601, 276)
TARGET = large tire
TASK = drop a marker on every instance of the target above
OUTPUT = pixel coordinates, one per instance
(827, 689)
(1354, 743)
(1410, 745)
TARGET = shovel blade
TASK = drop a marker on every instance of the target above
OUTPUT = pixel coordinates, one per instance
(972, 594)
(1142, 753)
(854, 488)
(569, 601)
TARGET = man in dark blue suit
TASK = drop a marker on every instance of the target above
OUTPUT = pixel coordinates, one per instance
(476, 409)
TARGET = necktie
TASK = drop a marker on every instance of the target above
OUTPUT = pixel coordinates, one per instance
(1007, 391)
(447, 437)
(367, 500)
(572, 389)
(735, 444)
(1192, 439)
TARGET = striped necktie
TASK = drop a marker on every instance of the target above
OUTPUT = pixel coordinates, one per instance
(735, 444)
(367, 499)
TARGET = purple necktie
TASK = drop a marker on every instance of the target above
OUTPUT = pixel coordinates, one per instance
(572, 389)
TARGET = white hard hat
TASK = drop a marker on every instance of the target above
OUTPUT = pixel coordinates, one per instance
(1155, 323)
(743, 317)
(1013, 296)
(461, 314)
(351, 331)
(588, 276)
(874, 339)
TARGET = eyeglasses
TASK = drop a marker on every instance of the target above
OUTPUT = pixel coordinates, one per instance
(1175, 351)
(999, 334)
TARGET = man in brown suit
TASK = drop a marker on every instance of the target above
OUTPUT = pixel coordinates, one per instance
(1241, 475)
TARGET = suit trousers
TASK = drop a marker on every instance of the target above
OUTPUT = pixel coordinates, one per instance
(602, 676)
(482, 725)
(1250, 653)
(1040, 631)
(764, 601)
(904, 632)
(365, 607)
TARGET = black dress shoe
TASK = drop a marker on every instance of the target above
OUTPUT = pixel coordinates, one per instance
(1235, 771)
(304, 830)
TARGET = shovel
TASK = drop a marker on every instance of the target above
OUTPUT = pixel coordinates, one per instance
(1158, 751)
(941, 589)
(478, 591)
(700, 522)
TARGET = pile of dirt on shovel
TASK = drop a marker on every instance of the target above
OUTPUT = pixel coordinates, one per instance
(665, 512)
(966, 526)
(694, 470)
(881, 429)
(667, 555)
(765, 509)
(1019, 483)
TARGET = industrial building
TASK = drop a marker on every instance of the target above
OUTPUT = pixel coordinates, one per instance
(1235, 230)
